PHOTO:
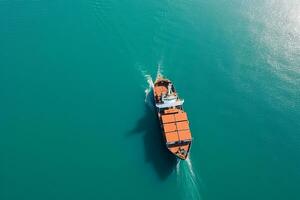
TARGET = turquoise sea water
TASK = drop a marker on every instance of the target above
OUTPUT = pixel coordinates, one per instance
(75, 122)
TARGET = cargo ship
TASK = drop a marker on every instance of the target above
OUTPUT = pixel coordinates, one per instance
(172, 118)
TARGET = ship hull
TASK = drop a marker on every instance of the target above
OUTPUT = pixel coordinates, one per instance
(172, 118)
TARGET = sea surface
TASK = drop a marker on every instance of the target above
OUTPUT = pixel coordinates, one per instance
(76, 120)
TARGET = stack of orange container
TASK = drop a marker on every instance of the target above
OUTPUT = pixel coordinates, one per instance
(176, 127)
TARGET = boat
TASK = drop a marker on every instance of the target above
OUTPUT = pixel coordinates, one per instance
(172, 118)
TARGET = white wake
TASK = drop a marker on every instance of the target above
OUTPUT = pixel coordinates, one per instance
(188, 181)
(150, 81)
(149, 87)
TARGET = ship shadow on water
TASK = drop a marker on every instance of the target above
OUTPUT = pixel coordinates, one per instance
(156, 153)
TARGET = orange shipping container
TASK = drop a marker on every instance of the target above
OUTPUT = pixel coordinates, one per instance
(181, 117)
(184, 125)
(185, 135)
(172, 136)
(171, 110)
(170, 127)
(168, 118)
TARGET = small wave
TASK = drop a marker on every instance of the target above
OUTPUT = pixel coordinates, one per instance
(150, 86)
(159, 70)
(187, 180)
(149, 79)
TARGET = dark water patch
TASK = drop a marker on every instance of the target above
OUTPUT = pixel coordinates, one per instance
(156, 153)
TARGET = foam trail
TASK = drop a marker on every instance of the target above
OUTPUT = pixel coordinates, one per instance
(159, 70)
(187, 180)
(149, 80)
(150, 86)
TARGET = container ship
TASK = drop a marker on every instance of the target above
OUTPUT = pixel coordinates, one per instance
(172, 118)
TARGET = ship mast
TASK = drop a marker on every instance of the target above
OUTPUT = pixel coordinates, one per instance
(170, 89)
